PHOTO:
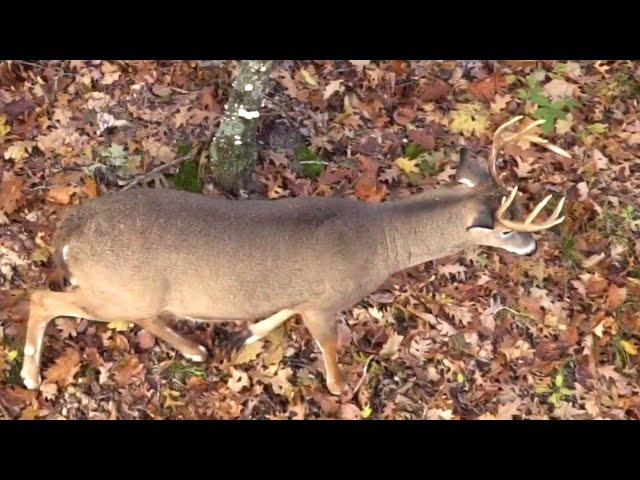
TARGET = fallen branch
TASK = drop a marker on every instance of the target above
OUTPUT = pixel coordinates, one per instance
(159, 169)
(364, 376)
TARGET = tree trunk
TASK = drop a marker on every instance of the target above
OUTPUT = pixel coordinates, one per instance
(234, 151)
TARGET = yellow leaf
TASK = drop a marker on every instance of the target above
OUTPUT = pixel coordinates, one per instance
(469, 119)
(407, 165)
(247, 353)
(39, 254)
(564, 126)
(629, 347)
(4, 128)
(19, 150)
(119, 326)
(309, 77)
(276, 192)
(29, 413)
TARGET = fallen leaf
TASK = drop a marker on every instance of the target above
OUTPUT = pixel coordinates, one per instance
(403, 116)
(487, 88)
(469, 119)
(629, 347)
(558, 89)
(391, 347)
(564, 125)
(247, 353)
(91, 187)
(350, 411)
(238, 380)
(309, 77)
(119, 325)
(10, 192)
(29, 413)
(500, 102)
(407, 165)
(61, 195)
(65, 368)
(145, 339)
(126, 372)
(508, 410)
(367, 189)
(332, 87)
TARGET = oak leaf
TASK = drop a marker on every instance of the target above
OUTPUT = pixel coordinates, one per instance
(65, 368)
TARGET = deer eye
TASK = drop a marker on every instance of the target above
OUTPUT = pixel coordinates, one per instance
(506, 233)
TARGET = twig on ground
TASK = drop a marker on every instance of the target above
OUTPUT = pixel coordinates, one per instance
(159, 169)
(364, 376)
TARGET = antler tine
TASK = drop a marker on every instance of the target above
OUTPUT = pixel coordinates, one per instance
(500, 139)
(527, 225)
(537, 210)
(497, 142)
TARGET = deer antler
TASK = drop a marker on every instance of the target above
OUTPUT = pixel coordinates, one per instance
(499, 139)
(527, 226)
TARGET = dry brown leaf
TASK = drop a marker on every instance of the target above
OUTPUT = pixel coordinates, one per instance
(487, 88)
(61, 195)
(145, 339)
(392, 346)
(128, 371)
(10, 192)
(65, 368)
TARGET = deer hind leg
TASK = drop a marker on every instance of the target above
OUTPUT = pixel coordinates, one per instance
(160, 327)
(44, 306)
(323, 327)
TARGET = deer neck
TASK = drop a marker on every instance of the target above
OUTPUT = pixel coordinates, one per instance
(424, 227)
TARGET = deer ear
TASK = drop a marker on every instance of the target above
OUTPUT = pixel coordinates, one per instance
(470, 171)
(483, 221)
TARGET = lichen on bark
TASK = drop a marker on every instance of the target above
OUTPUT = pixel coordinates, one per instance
(234, 151)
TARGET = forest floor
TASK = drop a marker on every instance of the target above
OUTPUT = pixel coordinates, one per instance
(481, 334)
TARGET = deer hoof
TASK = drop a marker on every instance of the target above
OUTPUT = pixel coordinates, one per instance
(337, 387)
(198, 357)
(30, 377)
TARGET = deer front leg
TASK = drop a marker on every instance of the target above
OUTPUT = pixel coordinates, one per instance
(160, 327)
(323, 327)
(44, 306)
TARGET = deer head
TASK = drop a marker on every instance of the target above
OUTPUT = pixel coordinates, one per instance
(490, 203)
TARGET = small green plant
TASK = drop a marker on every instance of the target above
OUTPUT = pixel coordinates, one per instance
(548, 110)
(482, 260)
(182, 148)
(308, 163)
(571, 255)
(187, 178)
(557, 390)
(14, 356)
(593, 129)
(618, 225)
(623, 348)
(180, 371)
(366, 411)
(425, 160)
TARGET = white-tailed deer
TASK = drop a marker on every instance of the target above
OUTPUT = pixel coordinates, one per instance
(148, 256)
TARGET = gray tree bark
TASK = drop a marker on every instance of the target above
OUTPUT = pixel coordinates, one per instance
(234, 151)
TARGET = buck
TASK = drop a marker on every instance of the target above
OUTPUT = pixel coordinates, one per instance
(150, 256)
